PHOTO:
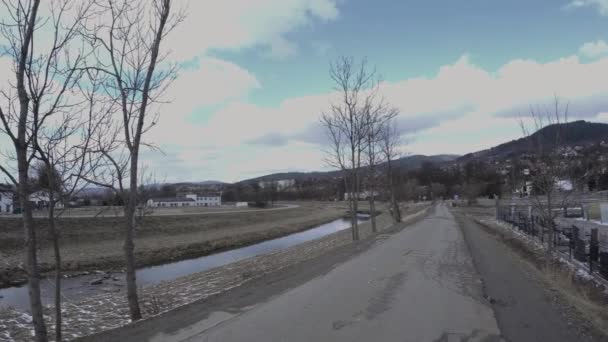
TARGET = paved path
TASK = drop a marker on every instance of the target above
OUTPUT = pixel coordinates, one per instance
(418, 285)
(526, 312)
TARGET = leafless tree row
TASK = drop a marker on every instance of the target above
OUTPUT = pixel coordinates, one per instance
(360, 127)
(88, 76)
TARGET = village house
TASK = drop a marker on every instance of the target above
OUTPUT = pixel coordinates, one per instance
(40, 199)
(281, 184)
(6, 199)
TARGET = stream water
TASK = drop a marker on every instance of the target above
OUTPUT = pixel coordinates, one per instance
(77, 287)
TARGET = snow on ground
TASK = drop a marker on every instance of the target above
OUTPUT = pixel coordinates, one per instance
(598, 222)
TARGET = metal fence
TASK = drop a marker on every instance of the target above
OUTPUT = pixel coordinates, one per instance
(573, 241)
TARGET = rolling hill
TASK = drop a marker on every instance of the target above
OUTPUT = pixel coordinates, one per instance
(405, 163)
(572, 134)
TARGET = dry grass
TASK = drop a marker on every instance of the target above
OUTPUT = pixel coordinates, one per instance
(589, 299)
(96, 243)
(594, 211)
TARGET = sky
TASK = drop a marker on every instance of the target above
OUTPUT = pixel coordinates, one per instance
(254, 79)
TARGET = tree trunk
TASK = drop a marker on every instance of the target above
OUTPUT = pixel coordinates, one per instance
(57, 253)
(348, 197)
(129, 245)
(21, 151)
(551, 223)
(372, 212)
(372, 200)
(355, 206)
(391, 187)
(354, 193)
(31, 259)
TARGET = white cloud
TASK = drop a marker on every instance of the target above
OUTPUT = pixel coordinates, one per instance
(281, 48)
(594, 49)
(212, 82)
(237, 24)
(461, 109)
(600, 5)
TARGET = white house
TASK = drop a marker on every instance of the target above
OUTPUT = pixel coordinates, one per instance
(41, 199)
(190, 200)
(6, 200)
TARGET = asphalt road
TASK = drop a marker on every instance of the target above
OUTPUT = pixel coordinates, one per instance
(421, 283)
(418, 285)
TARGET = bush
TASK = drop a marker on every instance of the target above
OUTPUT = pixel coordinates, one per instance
(258, 204)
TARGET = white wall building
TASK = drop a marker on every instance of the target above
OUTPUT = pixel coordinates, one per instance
(6, 201)
(190, 200)
(362, 195)
(170, 202)
(206, 199)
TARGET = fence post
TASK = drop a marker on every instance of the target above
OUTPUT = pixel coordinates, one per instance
(571, 242)
(594, 249)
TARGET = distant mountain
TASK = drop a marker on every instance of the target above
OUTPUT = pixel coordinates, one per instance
(407, 163)
(292, 175)
(415, 161)
(211, 182)
(572, 134)
(92, 191)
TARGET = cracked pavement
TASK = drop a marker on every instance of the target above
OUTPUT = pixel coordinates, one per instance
(417, 285)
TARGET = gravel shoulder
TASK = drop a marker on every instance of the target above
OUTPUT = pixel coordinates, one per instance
(525, 306)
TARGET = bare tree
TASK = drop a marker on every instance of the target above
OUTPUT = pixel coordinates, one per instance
(390, 141)
(63, 152)
(377, 114)
(15, 116)
(346, 124)
(128, 50)
(46, 70)
(549, 172)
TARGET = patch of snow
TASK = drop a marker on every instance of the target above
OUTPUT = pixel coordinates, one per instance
(583, 275)
(580, 268)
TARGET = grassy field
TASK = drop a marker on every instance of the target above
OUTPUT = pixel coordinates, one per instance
(114, 211)
(96, 243)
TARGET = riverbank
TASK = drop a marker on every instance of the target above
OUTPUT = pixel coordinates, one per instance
(109, 310)
(95, 244)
